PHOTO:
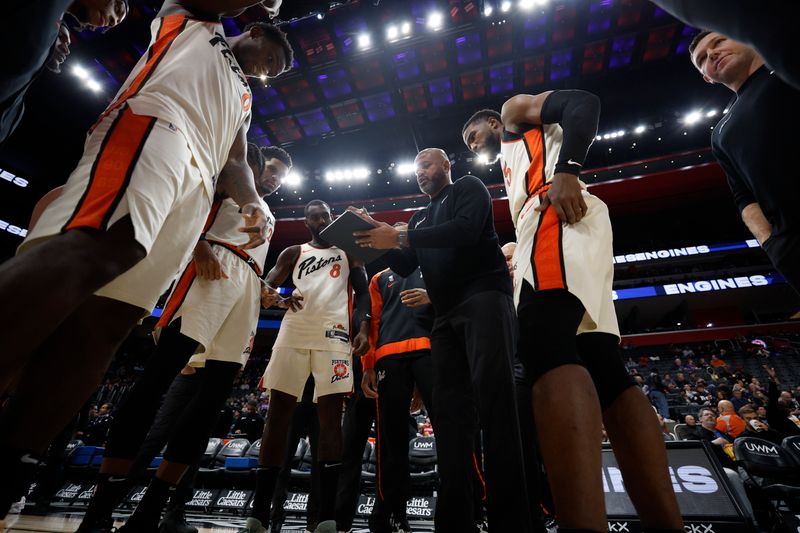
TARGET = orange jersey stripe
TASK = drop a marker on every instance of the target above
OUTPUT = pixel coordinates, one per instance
(535, 174)
(112, 170)
(406, 346)
(547, 253)
(212, 216)
(171, 27)
(178, 295)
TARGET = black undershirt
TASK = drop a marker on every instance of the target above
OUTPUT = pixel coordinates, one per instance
(755, 144)
(454, 242)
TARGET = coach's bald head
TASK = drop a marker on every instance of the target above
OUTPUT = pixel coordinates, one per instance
(433, 171)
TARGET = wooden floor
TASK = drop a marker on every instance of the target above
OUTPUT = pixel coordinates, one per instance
(63, 523)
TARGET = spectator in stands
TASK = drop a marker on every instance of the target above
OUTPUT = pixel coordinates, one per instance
(716, 362)
(703, 396)
(680, 380)
(688, 396)
(677, 365)
(728, 422)
(788, 400)
(779, 410)
(690, 364)
(708, 432)
(657, 394)
(757, 428)
(250, 424)
(97, 429)
(739, 400)
(669, 384)
(689, 430)
(662, 423)
(761, 411)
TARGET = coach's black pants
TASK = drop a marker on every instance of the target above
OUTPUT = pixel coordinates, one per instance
(472, 348)
(397, 375)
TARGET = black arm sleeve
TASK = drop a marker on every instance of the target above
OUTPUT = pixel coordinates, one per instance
(358, 277)
(578, 113)
(472, 204)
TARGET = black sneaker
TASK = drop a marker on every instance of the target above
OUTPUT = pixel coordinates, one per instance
(175, 522)
(379, 524)
(401, 526)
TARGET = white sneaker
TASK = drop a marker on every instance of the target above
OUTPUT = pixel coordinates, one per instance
(253, 525)
(17, 507)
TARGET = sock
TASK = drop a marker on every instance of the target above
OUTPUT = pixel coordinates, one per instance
(266, 479)
(148, 512)
(328, 483)
(107, 495)
(18, 468)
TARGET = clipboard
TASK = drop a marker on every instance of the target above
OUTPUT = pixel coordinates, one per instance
(340, 233)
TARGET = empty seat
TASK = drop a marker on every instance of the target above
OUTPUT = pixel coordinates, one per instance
(768, 469)
(422, 460)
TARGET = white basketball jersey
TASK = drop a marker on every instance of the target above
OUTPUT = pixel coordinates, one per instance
(190, 78)
(322, 277)
(528, 162)
(224, 223)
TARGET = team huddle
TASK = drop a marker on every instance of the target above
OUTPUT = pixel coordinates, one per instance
(169, 193)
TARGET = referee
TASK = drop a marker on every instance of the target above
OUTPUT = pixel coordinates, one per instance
(454, 243)
(748, 143)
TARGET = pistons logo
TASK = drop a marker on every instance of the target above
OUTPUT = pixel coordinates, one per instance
(340, 371)
(247, 101)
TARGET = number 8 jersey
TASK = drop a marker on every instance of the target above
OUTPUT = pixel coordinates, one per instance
(322, 278)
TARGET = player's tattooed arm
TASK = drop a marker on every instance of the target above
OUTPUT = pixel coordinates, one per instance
(282, 270)
(236, 181)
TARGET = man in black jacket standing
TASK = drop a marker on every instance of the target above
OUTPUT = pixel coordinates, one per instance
(454, 243)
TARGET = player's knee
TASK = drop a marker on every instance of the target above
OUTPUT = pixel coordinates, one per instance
(601, 353)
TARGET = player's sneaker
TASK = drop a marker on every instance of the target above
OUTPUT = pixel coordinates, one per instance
(253, 525)
(328, 526)
(175, 522)
(400, 526)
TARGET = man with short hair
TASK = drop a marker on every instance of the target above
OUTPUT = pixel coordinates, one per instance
(454, 243)
(250, 424)
(569, 337)
(728, 422)
(758, 172)
(757, 428)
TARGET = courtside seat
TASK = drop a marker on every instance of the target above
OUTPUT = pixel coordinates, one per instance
(82, 456)
(231, 449)
(422, 460)
(241, 468)
(369, 463)
(301, 464)
(791, 446)
(212, 449)
(769, 469)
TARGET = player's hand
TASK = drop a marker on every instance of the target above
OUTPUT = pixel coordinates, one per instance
(566, 196)
(383, 237)
(414, 297)
(360, 344)
(369, 383)
(255, 225)
(269, 296)
(773, 376)
(272, 7)
(416, 401)
(207, 263)
(293, 303)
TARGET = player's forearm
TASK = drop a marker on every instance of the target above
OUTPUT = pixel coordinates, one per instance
(236, 181)
(756, 222)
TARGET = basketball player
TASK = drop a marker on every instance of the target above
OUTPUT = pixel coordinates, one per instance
(756, 175)
(38, 39)
(399, 360)
(568, 328)
(129, 217)
(454, 243)
(212, 311)
(314, 339)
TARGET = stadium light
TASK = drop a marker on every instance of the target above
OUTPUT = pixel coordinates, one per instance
(405, 29)
(364, 41)
(93, 85)
(406, 168)
(293, 179)
(639, 129)
(392, 33)
(487, 10)
(435, 21)
(80, 72)
(505, 7)
(693, 117)
(526, 4)
(711, 113)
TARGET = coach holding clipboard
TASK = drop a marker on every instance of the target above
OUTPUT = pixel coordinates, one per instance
(454, 242)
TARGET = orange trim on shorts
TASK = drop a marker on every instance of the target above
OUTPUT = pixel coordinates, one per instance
(212, 215)
(535, 173)
(171, 27)
(178, 295)
(112, 170)
(548, 253)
